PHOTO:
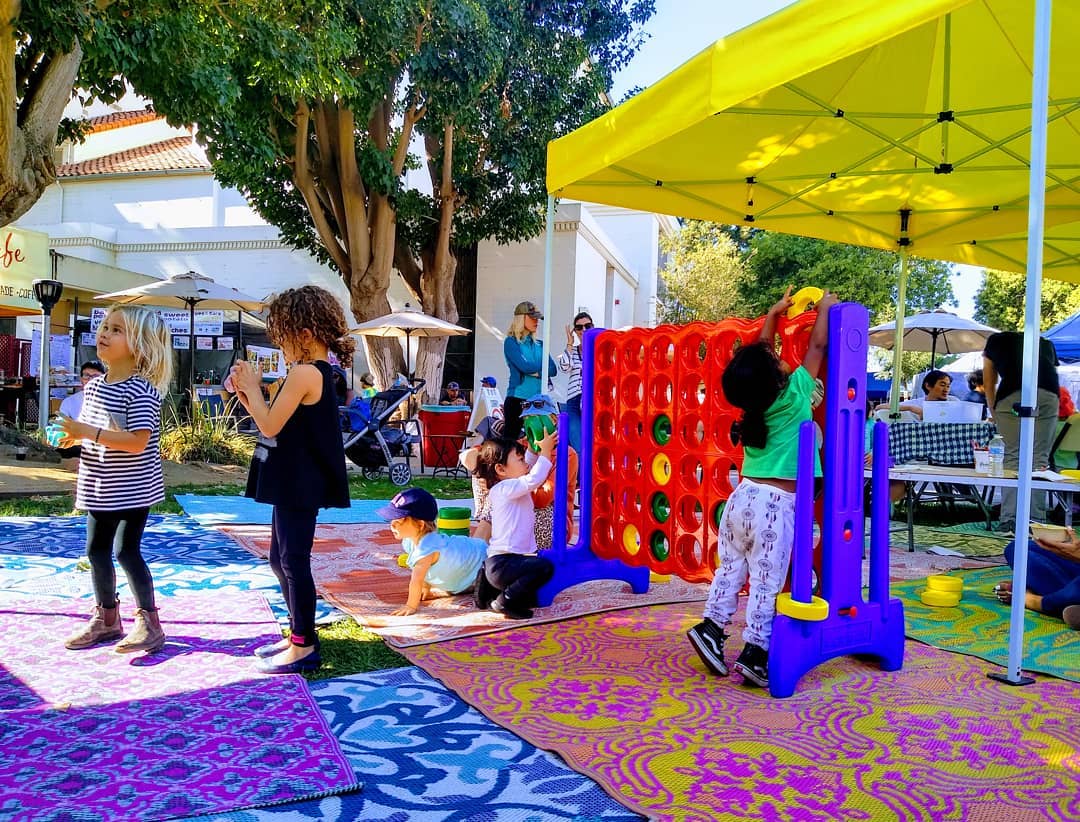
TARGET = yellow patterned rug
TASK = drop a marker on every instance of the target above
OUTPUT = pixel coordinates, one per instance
(623, 698)
(979, 626)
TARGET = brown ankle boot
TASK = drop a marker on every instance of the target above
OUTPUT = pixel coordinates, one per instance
(147, 634)
(97, 630)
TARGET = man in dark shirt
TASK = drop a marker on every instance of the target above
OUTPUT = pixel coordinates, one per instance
(1003, 359)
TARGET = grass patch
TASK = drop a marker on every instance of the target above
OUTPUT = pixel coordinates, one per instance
(348, 648)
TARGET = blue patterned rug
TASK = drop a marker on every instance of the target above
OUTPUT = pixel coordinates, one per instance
(227, 510)
(426, 756)
(44, 556)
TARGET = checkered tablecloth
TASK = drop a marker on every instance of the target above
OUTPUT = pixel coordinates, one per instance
(941, 443)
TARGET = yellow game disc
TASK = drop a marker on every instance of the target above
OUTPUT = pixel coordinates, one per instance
(655, 577)
(943, 582)
(815, 610)
(403, 560)
(940, 599)
(803, 299)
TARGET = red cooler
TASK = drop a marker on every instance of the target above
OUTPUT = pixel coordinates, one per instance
(444, 433)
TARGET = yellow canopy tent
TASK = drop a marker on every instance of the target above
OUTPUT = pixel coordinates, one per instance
(903, 126)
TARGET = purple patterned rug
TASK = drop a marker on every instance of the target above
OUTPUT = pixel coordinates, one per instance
(244, 745)
(210, 642)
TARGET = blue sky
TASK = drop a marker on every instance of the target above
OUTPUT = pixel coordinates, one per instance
(682, 28)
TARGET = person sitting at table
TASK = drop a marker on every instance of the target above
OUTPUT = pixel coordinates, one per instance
(1053, 581)
(452, 395)
(936, 384)
(71, 407)
(976, 391)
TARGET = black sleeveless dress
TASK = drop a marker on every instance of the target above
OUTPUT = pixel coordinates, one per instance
(303, 467)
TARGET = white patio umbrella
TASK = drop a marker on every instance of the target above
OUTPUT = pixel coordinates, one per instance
(931, 330)
(408, 323)
(187, 290)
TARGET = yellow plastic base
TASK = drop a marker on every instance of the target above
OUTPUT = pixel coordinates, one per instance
(945, 583)
(816, 610)
(940, 599)
(655, 577)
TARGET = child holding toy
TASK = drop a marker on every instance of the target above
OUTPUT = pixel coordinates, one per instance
(120, 471)
(442, 564)
(541, 416)
(513, 567)
(299, 463)
(757, 527)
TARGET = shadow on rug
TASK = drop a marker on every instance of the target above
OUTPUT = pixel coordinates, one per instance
(968, 542)
(979, 626)
(242, 745)
(426, 756)
(356, 569)
(210, 640)
(231, 510)
(624, 699)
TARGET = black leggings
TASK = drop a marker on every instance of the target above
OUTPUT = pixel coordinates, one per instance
(122, 530)
(512, 408)
(292, 533)
(518, 577)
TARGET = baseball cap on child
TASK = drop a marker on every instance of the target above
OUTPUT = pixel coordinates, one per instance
(367, 378)
(453, 386)
(539, 404)
(412, 502)
(491, 428)
(489, 382)
(529, 309)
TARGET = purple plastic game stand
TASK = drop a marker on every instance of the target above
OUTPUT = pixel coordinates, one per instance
(853, 626)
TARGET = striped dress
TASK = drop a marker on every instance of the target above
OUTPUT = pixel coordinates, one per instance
(111, 480)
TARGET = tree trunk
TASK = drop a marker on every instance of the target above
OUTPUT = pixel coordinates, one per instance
(437, 291)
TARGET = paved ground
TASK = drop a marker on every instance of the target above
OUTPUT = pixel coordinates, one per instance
(29, 478)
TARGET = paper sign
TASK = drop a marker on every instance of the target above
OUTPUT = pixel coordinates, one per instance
(225, 343)
(59, 352)
(209, 322)
(204, 343)
(181, 341)
(269, 362)
(87, 339)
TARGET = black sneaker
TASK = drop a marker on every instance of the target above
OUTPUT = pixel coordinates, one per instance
(753, 664)
(510, 610)
(708, 640)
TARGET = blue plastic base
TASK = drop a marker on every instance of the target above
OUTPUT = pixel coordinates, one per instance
(573, 570)
(797, 646)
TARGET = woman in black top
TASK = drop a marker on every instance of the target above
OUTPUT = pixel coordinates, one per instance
(299, 463)
(1003, 359)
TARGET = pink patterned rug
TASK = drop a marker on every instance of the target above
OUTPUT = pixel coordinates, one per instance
(356, 569)
(210, 642)
(624, 699)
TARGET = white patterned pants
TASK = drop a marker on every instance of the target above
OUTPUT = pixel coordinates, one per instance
(757, 530)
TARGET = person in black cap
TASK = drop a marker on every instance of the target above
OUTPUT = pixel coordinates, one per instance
(452, 395)
(524, 353)
(442, 564)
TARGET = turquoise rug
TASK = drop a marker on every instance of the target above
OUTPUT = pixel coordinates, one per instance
(979, 626)
(212, 511)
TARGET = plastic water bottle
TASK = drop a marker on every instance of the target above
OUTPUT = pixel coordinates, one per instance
(997, 456)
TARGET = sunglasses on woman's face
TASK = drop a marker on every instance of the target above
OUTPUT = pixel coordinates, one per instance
(539, 405)
(582, 326)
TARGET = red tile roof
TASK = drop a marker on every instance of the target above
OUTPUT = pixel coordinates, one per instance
(119, 119)
(168, 155)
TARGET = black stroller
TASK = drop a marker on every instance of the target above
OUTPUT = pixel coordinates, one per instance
(372, 441)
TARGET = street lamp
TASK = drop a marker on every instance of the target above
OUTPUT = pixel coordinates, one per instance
(48, 294)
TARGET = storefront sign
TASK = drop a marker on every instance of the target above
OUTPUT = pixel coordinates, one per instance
(24, 257)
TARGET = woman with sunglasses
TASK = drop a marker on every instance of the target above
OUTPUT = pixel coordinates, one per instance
(570, 364)
(523, 352)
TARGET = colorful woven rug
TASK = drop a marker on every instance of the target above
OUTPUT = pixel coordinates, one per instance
(243, 511)
(242, 745)
(356, 569)
(210, 641)
(623, 698)
(44, 557)
(426, 756)
(979, 626)
(968, 542)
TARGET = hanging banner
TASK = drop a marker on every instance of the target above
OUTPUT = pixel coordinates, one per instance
(24, 257)
(269, 362)
(207, 323)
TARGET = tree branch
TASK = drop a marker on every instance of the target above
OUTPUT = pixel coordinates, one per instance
(306, 186)
(407, 267)
(9, 9)
(353, 194)
(326, 138)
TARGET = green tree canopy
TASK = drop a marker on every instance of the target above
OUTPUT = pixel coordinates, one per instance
(1002, 296)
(318, 110)
(702, 274)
